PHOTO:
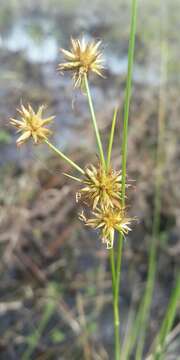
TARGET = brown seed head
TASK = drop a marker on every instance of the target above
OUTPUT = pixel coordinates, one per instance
(82, 58)
(101, 187)
(108, 220)
(31, 124)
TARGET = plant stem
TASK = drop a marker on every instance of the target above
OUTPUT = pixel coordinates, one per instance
(115, 307)
(128, 96)
(145, 309)
(116, 330)
(93, 116)
(139, 326)
(64, 157)
(113, 273)
(116, 298)
(111, 138)
(124, 152)
(104, 164)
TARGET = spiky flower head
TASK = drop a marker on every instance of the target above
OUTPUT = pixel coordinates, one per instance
(31, 124)
(101, 187)
(83, 57)
(107, 220)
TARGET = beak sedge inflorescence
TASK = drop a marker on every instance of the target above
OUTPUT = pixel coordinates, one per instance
(83, 57)
(31, 125)
(101, 193)
(100, 190)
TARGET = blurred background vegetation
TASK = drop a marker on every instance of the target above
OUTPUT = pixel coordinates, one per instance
(55, 289)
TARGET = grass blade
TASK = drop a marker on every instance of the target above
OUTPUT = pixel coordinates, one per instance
(160, 342)
(147, 299)
(124, 152)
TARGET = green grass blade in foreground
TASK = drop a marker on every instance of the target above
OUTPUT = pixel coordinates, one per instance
(152, 261)
(128, 96)
(124, 144)
(167, 322)
(126, 120)
(94, 121)
(124, 152)
(147, 299)
(111, 138)
(125, 124)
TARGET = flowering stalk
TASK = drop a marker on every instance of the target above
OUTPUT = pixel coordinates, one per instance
(98, 138)
(112, 259)
(103, 188)
(124, 150)
(85, 57)
(64, 157)
(112, 262)
(106, 166)
(111, 138)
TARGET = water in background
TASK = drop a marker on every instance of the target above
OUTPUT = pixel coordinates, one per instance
(30, 38)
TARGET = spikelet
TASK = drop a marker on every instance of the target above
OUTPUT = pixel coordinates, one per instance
(107, 220)
(100, 187)
(31, 125)
(82, 58)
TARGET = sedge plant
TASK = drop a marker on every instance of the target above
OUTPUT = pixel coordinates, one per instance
(102, 189)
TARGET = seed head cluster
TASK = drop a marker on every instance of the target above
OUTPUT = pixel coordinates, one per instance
(101, 193)
(31, 125)
(100, 189)
(83, 57)
(107, 220)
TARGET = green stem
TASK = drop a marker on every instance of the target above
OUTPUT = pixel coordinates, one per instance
(128, 96)
(115, 306)
(116, 330)
(157, 207)
(64, 157)
(111, 138)
(116, 297)
(140, 323)
(98, 138)
(113, 273)
(124, 145)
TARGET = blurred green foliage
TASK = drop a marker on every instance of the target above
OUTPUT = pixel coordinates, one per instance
(5, 137)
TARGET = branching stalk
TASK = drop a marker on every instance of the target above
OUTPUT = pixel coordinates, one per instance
(64, 157)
